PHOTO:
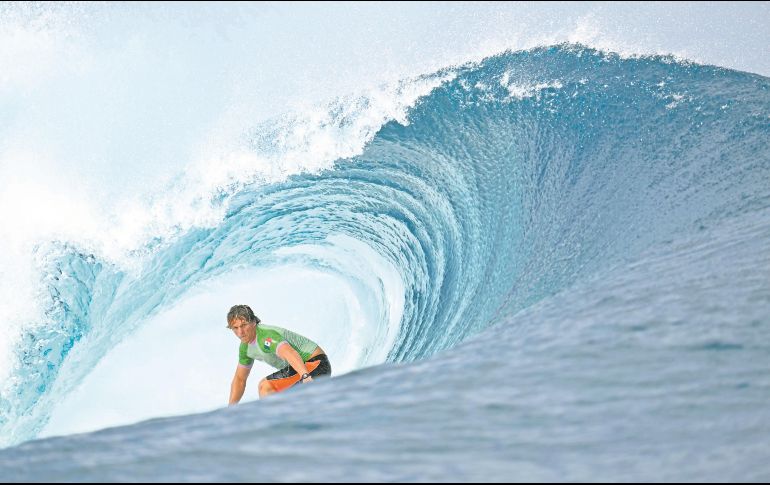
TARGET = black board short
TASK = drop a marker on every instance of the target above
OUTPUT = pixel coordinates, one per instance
(324, 369)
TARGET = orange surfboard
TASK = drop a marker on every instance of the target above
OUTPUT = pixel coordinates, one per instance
(286, 382)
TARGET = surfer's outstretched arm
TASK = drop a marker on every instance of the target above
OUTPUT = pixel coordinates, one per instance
(238, 386)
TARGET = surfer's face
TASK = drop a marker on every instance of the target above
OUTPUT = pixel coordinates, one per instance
(244, 330)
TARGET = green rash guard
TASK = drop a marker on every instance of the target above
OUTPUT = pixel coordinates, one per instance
(266, 344)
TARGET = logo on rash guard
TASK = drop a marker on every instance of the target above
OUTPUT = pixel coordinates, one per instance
(268, 343)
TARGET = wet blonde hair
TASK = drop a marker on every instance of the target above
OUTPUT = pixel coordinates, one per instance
(241, 312)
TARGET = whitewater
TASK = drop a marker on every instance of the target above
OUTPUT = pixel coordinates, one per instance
(546, 257)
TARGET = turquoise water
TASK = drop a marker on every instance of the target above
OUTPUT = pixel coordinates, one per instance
(583, 243)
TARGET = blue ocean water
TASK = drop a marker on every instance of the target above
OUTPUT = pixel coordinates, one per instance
(583, 241)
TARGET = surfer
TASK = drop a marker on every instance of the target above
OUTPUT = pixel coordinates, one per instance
(298, 358)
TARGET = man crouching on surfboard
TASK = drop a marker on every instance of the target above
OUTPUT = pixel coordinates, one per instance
(298, 359)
